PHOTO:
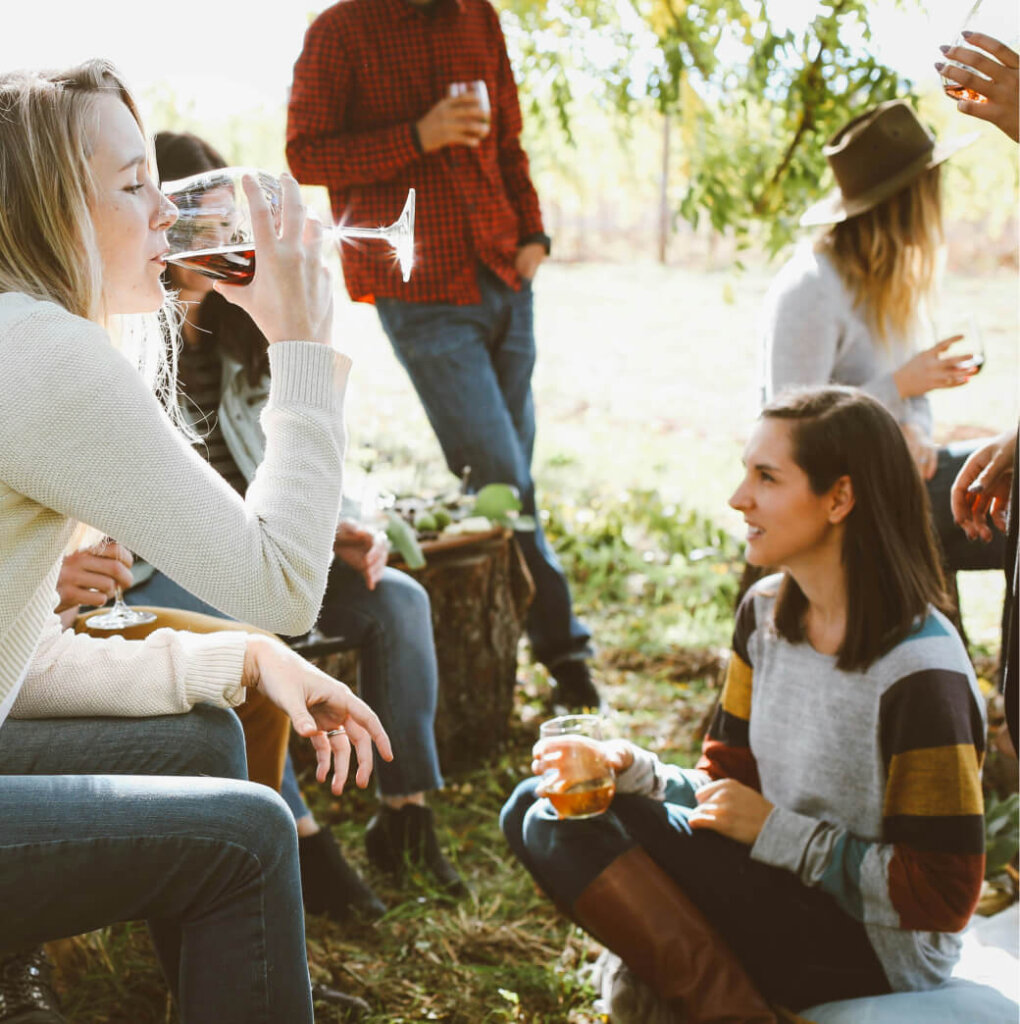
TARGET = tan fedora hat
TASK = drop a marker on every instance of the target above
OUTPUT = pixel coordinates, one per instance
(875, 156)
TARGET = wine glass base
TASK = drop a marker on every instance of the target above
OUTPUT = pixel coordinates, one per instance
(114, 620)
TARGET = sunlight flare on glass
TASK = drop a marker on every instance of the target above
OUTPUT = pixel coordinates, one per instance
(213, 232)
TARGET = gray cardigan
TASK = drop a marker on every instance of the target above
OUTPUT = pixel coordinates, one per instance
(814, 335)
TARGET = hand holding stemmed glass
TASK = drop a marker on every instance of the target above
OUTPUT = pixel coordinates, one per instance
(115, 561)
(215, 232)
(981, 70)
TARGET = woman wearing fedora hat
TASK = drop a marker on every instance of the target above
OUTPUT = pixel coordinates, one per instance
(851, 309)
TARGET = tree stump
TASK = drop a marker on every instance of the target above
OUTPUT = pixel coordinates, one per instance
(480, 590)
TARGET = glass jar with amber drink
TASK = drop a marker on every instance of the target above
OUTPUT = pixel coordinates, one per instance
(576, 776)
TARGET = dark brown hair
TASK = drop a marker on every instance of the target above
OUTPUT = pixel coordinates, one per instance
(890, 555)
(179, 155)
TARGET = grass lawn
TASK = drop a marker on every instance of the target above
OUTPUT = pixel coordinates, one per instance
(646, 388)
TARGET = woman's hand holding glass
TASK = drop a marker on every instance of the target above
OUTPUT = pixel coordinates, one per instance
(996, 82)
(321, 709)
(929, 370)
(290, 297)
(91, 576)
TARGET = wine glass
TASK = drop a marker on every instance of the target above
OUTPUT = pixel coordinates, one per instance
(478, 90)
(996, 18)
(968, 331)
(213, 232)
(578, 781)
(119, 615)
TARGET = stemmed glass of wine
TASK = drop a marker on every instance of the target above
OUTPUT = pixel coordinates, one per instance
(996, 18)
(213, 232)
(119, 615)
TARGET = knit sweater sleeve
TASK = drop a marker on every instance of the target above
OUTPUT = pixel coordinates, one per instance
(726, 750)
(84, 436)
(924, 872)
(168, 673)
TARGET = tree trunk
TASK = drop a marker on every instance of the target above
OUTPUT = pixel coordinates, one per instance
(480, 589)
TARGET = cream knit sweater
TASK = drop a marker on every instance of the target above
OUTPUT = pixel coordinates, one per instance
(83, 439)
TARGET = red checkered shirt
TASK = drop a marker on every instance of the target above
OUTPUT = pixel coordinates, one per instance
(369, 70)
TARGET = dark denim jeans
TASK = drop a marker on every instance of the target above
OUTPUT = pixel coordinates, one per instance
(796, 943)
(397, 675)
(90, 834)
(471, 367)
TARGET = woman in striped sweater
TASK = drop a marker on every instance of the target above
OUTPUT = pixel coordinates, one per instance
(829, 842)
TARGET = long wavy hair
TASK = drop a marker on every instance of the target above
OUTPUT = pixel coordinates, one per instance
(888, 255)
(890, 556)
(48, 249)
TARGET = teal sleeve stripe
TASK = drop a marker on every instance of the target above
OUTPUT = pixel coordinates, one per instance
(678, 789)
(842, 875)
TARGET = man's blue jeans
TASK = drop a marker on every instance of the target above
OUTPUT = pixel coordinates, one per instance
(97, 826)
(397, 675)
(471, 367)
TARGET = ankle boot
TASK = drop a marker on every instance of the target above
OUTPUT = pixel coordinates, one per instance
(26, 989)
(398, 839)
(329, 885)
(641, 914)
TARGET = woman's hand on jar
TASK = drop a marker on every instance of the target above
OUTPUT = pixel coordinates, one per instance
(547, 754)
(317, 704)
(928, 370)
(290, 297)
(998, 81)
(731, 809)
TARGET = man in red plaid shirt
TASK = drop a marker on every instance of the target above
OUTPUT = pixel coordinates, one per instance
(369, 118)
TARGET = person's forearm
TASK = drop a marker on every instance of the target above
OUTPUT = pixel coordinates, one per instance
(264, 559)
(76, 675)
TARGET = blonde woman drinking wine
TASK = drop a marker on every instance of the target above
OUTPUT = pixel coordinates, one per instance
(89, 835)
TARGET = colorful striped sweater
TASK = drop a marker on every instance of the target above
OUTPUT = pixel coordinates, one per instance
(875, 777)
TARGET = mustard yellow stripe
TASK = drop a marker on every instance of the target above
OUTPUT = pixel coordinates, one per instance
(736, 695)
(934, 781)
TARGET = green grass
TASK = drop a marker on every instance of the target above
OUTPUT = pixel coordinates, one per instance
(646, 389)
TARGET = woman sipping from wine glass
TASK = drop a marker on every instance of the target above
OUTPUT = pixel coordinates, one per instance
(89, 835)
(830, 840)
(854, 306)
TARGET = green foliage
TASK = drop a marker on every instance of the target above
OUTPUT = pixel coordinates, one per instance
(754, 100)
(651, 565)
(1002, 821)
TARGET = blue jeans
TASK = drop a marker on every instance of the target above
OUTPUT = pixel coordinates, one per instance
(397, 674)
(92, 831)
(796, 943)
(471, 367)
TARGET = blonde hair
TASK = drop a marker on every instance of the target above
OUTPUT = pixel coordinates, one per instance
(888, 255)
(47, 241)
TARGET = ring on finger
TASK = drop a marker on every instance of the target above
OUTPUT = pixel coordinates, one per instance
(337, 732)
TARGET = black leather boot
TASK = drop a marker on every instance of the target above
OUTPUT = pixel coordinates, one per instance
(329, 885)
(398, 839)
(26, 990)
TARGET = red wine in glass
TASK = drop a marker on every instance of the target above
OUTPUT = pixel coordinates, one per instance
(234, 264)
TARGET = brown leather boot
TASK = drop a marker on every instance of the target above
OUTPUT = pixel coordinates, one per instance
(640, 913)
